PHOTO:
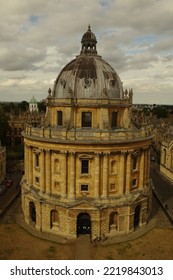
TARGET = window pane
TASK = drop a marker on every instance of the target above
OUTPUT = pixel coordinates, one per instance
(59, 117)
(37, 160)
(86, 119)
(84, 166)
(84, 188)
(114, 119)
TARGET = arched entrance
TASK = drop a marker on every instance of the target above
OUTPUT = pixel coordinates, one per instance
(83, 224)
(137, 216)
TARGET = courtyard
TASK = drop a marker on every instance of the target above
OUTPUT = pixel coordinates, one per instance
(18, 244)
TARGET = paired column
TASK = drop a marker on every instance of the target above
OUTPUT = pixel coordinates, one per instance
(145, 166)
(48, 171)
(141, 170)
(26, 165)
(30, 167)
(97, 175)
(71, 175)
(122, 172)
(64, 174)
(42, 171)
(148, 165)
(128, 171)
(105, 175)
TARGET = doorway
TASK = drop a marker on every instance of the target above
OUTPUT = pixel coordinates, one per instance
(83, 224)
(137, 216)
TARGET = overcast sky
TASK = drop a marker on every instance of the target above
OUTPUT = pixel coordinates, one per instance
(39, 37)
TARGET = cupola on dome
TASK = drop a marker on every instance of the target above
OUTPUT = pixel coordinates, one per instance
(88, 76)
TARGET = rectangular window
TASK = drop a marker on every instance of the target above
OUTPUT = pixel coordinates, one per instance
(59, 117)
(84, 188)
(37, 180)
(84, 166)
(37, 160)
(134, 183)
(114, 119)
(112, 187)
(86, 119)
(134, 163)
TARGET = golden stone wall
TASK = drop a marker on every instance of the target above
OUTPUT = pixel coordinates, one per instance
(53, 180)
(166, 161)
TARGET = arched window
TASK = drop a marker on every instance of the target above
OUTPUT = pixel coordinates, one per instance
(114, 167)
(57, 166)
(113, 221)
(54, 219)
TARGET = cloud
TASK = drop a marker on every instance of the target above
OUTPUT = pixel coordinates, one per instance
(40, 37)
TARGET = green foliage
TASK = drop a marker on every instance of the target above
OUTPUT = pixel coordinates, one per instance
(160, 111)
(24, 105)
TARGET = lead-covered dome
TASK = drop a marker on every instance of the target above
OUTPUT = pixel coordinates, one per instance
(88, 76)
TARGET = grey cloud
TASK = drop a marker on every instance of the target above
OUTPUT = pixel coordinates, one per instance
(15, 59)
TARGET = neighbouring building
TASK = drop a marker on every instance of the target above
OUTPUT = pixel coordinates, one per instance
(33, 106)
(166, 155)
(2, 163)
(87, 165)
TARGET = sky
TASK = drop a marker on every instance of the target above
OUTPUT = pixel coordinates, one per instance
(39, 37)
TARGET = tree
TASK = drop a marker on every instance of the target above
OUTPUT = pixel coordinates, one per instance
(24, 105)
(160, 111)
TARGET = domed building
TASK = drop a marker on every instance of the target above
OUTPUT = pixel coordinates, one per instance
(87, 165)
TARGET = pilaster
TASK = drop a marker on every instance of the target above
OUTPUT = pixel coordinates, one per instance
(105, 175)
(71, 176)
(30, 167)
(42, 171)
(48, 171)
(141, 170)
(64, 174)
(122, 173)
(128, 171)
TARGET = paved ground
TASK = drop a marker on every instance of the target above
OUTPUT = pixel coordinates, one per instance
(83, 248)
(13, 191)
(163, 189)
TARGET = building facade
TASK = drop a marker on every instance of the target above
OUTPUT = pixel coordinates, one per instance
(33, 106)
(2, 163)
(87, 165)
(166, 155)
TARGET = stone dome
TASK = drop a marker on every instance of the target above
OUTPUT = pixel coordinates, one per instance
(88, 76)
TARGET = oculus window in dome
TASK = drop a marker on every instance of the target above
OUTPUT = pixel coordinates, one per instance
(88, 75)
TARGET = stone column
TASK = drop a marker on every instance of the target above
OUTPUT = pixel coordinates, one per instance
(64, 174)
(105, 175)
(48, 171)
(30, 169)
(97, 175)
(128, 172)
(148, 165)
(42, 171)
(121, 180)
(71, 194)
(145, 167)
(141, 171)
(26, 165)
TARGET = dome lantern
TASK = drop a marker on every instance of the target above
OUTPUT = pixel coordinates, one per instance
(89, 42)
